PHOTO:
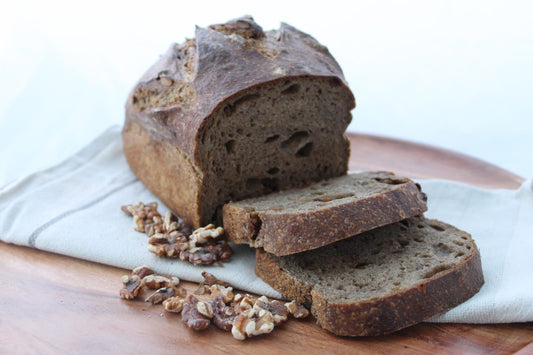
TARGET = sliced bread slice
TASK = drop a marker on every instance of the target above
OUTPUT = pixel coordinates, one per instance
(296, 220)
(381, 281)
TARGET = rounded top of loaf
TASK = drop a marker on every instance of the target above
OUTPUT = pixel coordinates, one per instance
(194, 79)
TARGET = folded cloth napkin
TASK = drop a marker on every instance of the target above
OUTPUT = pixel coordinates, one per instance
(74, 209)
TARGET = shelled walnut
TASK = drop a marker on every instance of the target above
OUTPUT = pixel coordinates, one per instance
(131, 287)
(173, 239)
(243, 315)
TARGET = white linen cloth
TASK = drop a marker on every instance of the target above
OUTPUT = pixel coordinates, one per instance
(74, 209)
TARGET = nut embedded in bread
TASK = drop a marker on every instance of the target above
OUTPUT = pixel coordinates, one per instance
(296, 220)
(381, 281)
(237, 112)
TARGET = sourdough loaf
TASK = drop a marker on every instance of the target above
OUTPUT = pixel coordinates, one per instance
(237, 112)
(300, 219)
(381, 281)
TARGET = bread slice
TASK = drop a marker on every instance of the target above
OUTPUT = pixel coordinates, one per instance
(296, 220)
(381, 281)
(237, 112)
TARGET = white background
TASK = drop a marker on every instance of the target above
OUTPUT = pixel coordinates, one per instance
(455, 74)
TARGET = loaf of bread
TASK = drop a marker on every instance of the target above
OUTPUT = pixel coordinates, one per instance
(296, 220)
(381, 281)
(237, 112)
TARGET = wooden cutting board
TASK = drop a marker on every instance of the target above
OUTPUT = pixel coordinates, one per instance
(56, 304)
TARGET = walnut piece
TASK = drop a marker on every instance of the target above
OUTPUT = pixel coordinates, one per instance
(223, 315)
(174, 304)
(296, 309)
(204, 234)
(201, 290)
(191, 316)
(142, 271)
(243, 302)
(225, 292)
(160, 295)
(207, 254)
(252, 322)
(210, 279)
(205, 308)
(172, 239)
(131, 287)
(142, 214)
(158, 281)
(279, 312)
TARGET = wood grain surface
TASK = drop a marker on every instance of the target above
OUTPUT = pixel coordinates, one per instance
(56, 304)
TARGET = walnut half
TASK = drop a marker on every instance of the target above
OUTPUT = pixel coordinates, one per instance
(191, 316)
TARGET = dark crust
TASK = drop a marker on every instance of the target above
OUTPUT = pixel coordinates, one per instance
(157, 163)
(427, 299)
(220, 69)
(223, 71)
(290, 233)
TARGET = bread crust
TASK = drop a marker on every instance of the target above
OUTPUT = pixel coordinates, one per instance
(381, 316)
(175, 102)
(290, 233)
(158, 164)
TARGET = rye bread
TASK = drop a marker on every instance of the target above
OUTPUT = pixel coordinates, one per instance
(296, 220)
(237, 112)
(381, 281)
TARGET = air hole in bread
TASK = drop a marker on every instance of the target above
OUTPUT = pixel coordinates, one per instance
(403, 242)
(442, 248)
(458, 242)
(295, 141)
(231, 108)
(437, 227)
(270, 184)
(228, 110)
(391, 180)
(230, 146)
(294, 88)
(421, 226)
(273, 138)
(435, 270)
(334, 82)
(265, 185)
(253, 184)
(333, 197)
(273, 171)
(305, 151)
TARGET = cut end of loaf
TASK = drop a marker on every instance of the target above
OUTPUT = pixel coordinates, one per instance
(382, 281)
(274, 137)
